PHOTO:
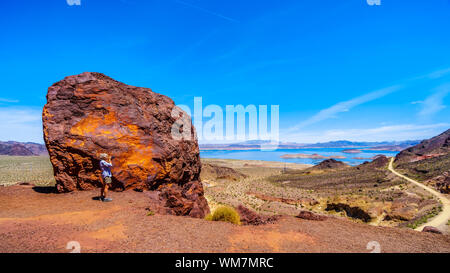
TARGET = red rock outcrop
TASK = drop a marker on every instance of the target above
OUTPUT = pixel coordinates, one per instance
(431, 230)
(249, 217)
(90, 113)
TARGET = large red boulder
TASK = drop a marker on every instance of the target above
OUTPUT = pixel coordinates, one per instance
(90, 113)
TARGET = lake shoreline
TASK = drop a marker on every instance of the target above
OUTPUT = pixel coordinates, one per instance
(308, 156)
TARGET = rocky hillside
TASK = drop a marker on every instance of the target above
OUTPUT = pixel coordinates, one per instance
(22, 148)
(329, 164)
(433, 147)
(214, 172)
(379, 161)
(429, 162)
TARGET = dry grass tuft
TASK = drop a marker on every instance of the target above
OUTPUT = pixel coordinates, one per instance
(224, 214)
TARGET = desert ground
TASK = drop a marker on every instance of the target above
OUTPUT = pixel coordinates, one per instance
(369, 194)
(41, 221)
(33, 218)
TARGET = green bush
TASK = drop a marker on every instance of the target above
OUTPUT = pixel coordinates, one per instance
(225, 214)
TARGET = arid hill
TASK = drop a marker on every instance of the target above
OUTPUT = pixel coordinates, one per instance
(428, 162)
(368, 192)
(378, 161)
(22, 148)
(329, 164)
(333, 175)
(211, 171)
(433, 147)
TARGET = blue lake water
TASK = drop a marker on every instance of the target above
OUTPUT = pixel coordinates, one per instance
(276, 155)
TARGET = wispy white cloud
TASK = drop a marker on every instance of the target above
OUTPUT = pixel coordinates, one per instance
(189, 49)
(439, 73)
(21, 124)
(8, 100)
(436, 74)
(345, 106)
(434, 103)
(383, 133)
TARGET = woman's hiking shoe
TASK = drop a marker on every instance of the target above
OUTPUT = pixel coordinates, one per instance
(106, 199)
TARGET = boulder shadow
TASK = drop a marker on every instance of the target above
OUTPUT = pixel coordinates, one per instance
(45, 189)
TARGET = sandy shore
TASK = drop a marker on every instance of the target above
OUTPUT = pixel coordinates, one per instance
(239, 163)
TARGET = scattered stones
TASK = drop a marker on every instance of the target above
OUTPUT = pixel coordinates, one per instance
(307, 215)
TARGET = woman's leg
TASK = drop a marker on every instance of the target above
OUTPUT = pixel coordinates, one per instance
(105, 187)
(105, 190)
(102, 188)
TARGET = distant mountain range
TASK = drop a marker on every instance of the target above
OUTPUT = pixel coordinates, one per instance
(30, 148)
(256, 144)
(22, 148)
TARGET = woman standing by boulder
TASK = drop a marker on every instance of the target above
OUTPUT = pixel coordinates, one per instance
(105, 166)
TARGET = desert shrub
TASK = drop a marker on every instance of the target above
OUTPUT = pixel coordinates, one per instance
(422, 220)
(225, 214)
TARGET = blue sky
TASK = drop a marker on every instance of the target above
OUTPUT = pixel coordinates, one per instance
(338, 69)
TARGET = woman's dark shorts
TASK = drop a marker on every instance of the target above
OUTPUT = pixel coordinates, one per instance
(107, 180)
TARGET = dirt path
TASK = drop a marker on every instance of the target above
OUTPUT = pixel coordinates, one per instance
(442, 218)
(34, 219)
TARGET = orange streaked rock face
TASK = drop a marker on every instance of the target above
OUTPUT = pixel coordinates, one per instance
(90, 114)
